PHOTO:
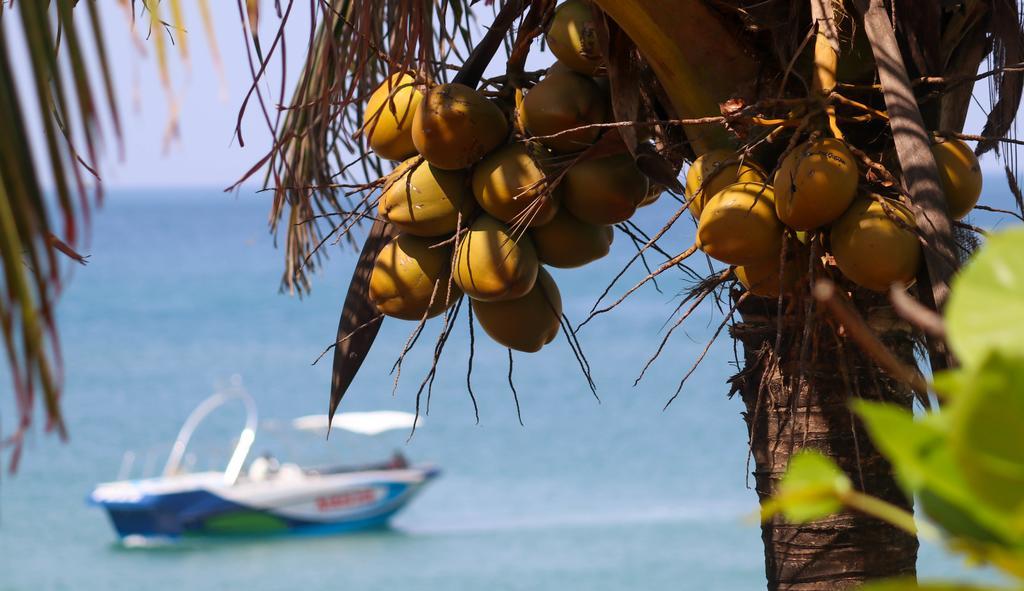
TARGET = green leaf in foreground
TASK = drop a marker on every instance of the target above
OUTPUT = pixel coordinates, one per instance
(986, 307)
(902, 440)
(987, 431)
(923, 460)
(811, 489)
(912, 585)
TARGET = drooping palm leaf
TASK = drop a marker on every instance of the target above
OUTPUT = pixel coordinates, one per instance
(317, 149)
(37, 225)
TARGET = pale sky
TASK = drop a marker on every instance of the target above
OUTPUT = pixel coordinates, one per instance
(205, 154)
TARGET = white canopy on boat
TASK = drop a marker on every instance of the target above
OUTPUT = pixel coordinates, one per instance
(364, 423)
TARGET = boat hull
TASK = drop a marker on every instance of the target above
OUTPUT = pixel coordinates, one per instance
(200, 505)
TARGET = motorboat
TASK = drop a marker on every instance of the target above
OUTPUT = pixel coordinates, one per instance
(264, 495)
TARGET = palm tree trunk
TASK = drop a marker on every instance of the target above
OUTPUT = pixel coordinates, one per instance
(796, 391)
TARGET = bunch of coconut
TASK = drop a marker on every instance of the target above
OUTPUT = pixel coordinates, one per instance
(743, 217)
(475, 199)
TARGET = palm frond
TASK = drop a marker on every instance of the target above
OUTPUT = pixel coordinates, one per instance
(1006, 88)
(37, 226)
(317, 146)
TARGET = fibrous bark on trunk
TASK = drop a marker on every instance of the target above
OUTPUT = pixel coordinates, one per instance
(797, 396)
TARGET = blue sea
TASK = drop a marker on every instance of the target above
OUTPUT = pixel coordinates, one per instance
(181, 293)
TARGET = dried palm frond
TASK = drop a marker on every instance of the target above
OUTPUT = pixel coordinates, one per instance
(1005, 88)
(317, 145)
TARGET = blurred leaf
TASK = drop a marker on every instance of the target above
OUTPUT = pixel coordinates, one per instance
(104, 65)
(986, 310)
(211, 38)
(900, 439)
(965, 520)
(987, 431)
(810, 489)
(909, 584)
(57, 79)
(178, 19)
(252, 11)
(920, 453)
(1009, 560)
(951, 382)
(156, 26)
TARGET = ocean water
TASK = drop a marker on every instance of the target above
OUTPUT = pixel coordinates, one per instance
(181, 293)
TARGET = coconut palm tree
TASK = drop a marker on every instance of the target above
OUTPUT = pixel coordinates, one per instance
(686, 77)
(708, 74)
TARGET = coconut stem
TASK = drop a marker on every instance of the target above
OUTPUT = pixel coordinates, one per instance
(473, 68)
(826, 57)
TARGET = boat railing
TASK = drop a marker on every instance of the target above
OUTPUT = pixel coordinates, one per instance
(137, 464)
(245, 439)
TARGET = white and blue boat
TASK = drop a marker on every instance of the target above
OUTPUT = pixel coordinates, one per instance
(264, 495)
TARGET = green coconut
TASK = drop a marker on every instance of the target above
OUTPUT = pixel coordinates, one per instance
(960, 173)
(425, 200)
(568, 242)
(815, 184)
(765, 279)
(510, 185)
(527, 323)
(738, 225)
(573, 37)
(492, 265)
(407, 274)
(873, 249)
(387, 119)
(604, 190)
(455, 126)
(564, 100)
(713, 172)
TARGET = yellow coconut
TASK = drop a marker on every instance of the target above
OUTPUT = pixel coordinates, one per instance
(404, 277)
(491, 265)
(388, 117)
(568, 242)
(764, 279)
(604, 190)
(815, 184)
(510, 185)
(527, 323)
(719, 175)
(455, 126)
(871, 248)
(572, 37)
(738, 225)
(960, 174)
(425, 200)
(560, 102)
